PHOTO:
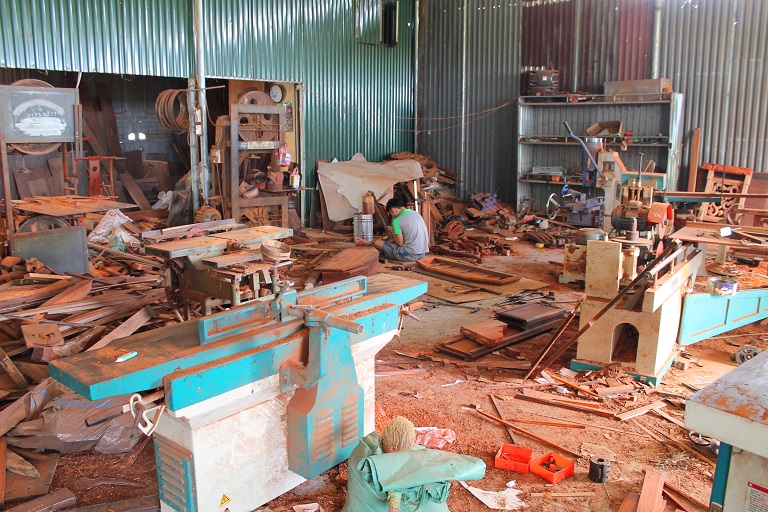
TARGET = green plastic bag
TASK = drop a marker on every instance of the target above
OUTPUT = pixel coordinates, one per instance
(421, 475)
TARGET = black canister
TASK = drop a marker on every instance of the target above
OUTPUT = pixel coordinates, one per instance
(599, 469)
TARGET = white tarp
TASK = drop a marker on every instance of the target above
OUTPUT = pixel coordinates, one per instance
(344, 183)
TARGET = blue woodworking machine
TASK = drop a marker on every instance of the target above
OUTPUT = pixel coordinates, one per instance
(258, 398)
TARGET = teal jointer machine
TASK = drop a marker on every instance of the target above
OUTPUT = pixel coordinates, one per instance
(257, 399)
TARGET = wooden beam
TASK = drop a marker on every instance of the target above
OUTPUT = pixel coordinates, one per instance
(693, 160)
(57, 500)
(575, 386)
(634, 413)
(12, 371)
(3, 463)
(565, 405)
(630, 502)
(501, 415)
(134, 191)
(529, 434)
(687, 496)
(127, 328)
(650, 495)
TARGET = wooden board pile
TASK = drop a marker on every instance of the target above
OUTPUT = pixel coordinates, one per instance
(433, 173)
(46, 316)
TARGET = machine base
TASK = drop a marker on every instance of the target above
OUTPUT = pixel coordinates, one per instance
(231, 452)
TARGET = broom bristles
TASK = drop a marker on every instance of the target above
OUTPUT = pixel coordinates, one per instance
(398, 436)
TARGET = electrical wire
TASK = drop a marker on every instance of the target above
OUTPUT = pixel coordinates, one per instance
(480, 114)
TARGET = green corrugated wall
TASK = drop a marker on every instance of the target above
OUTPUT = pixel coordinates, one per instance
(359, 97)
(132, 37)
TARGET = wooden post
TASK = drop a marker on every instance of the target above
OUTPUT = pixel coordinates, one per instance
(693, 161)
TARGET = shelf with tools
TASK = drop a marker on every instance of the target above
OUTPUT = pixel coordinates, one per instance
(544, 150)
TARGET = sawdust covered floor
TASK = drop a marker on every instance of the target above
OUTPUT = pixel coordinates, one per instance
(425, 400)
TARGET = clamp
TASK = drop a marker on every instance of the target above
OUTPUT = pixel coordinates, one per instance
(140, 413)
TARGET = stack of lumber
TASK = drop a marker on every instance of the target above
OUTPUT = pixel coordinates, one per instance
(352, 262)
(46, 316)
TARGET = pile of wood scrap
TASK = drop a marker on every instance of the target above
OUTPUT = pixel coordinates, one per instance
(454, 240)
(46, 316)
(433, 173)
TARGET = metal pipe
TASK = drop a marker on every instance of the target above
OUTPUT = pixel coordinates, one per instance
(202, 103)
(416, 79)
(720, 480)
(656, 55)
(463, 162)
(5, 170)
(586, 150)
(577, 17)
(194, 156)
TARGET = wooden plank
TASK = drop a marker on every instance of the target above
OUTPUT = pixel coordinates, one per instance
(678, 503)
(575, 386)
(488, 332)
(348, 259)
(11, 369)
(687, 496)
(634, 413)
(650, 494)
(57, 500)
(36, 372)
(42, 335)
(127, 328)
(232, 258)
(73, 293)
(68, 205)
(630, 502)
(529, 434)
(143, 504)
(565, 405)
(444, 266)
(615, 390)
(511, 432)
(693, 160)
(135, 191)
(3, 462)
(110, 122)
(670, 418)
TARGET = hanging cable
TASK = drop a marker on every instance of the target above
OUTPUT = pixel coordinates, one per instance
(171, 109)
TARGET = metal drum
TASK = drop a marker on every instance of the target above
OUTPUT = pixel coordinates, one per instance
(362, 226)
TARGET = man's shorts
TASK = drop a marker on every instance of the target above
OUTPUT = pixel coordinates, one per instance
(398, 253)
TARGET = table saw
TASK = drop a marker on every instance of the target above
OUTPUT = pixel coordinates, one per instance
(258, 398)
(733, 410)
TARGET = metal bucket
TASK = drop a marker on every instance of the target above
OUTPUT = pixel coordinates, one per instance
(362, 226)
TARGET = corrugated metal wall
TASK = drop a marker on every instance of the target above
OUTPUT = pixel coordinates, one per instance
(469, 66)
(139, 37)
(714, 51)
(614, 38)
(359, 97)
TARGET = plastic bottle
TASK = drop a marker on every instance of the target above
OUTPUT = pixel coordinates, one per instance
(284, 156)
(294, 179)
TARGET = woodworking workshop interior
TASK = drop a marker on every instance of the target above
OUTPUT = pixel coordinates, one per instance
(383, 255)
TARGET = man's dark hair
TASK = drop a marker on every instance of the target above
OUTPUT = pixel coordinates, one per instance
(395, 202)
